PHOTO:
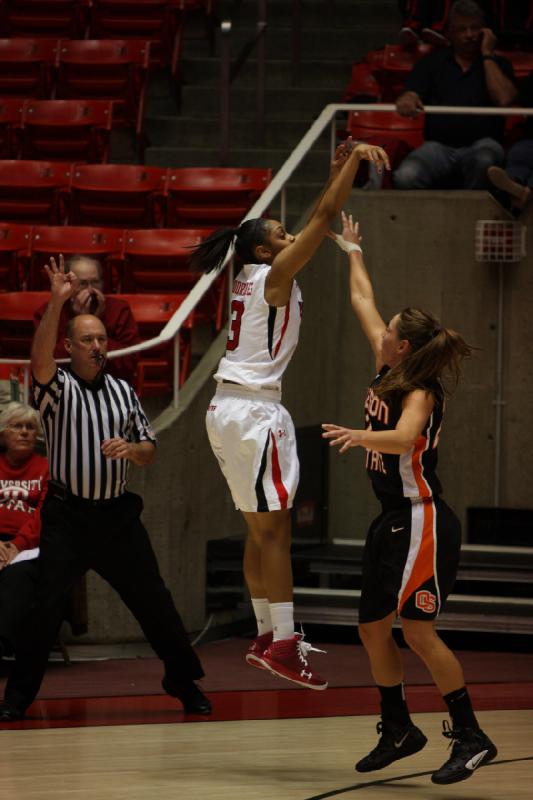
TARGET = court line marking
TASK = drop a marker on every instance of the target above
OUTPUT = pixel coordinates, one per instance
(383, 781)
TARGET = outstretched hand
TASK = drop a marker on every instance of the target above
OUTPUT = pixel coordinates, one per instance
(374, 154)
(62, 284)
(350, 232)
(341, 156)
(344, 438)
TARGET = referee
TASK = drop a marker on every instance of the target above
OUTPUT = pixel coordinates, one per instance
(94, 425)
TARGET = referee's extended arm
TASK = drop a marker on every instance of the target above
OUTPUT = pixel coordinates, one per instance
(63, 286)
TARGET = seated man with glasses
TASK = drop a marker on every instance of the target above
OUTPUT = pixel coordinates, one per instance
(114, 312)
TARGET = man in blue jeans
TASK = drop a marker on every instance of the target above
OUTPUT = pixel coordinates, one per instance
(459, 148)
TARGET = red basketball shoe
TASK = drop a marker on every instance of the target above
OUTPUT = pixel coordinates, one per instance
(254, 656)
(288, 658)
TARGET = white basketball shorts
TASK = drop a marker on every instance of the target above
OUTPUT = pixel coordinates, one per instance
(253, 438)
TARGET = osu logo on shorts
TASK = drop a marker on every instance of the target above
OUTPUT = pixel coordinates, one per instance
(426, 601)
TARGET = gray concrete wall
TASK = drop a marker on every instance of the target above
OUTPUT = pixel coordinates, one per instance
(419, 248)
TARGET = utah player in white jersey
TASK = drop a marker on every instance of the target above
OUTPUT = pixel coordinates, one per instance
(251, 433)
(412, 548)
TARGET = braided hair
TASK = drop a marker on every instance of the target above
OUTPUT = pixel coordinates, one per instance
(209, 255)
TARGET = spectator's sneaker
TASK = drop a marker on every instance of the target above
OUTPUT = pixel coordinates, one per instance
(254, 656)
(289, 659)
(397, 741)
(409, 37)
(432, 36)
(471, 749)
(519, 194)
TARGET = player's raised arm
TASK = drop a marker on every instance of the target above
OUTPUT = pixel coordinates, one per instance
(289, 261)
(361, 290)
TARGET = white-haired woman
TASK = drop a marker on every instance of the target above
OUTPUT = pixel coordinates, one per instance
(23, 484)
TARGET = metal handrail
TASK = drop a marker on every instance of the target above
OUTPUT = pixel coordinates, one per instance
(327, 117)
(229, 72)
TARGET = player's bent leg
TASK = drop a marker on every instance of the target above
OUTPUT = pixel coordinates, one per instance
(471, 748)
(399, 737)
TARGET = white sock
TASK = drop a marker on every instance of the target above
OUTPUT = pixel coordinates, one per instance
(282, 615)
(262, 615)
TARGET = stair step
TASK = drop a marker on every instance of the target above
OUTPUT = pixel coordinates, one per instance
(205, 132)
(313, 73)
(338, 13)
(300, 102)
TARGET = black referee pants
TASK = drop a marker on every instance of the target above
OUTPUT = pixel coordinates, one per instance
(110, 538)
(18, 584)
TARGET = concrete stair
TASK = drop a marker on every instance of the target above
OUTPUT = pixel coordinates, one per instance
(185, 130)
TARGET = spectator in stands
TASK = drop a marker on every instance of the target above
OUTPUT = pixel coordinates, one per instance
(426, 20)
(516, 180)
(114, 312)
(459, 148)
(23, 485)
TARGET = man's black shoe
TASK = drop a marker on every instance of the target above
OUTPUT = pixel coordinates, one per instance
(471, 749)
(9, 713)
(194, 701)
(397, 741)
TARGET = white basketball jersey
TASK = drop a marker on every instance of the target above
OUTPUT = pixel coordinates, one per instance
(261, 338)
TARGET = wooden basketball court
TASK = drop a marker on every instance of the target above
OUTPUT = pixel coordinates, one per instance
(263, 759)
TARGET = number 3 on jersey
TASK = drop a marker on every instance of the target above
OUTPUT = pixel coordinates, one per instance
(237, 310)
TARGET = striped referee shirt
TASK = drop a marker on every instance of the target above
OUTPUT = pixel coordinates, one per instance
(77, 416)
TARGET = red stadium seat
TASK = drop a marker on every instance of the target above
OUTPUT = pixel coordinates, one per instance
(16, 321)
(398, 135)
(15, 241)
(106, 70)
(155, 369)
(363, 86)
(522, 61)
(157, 260)
(56, 130)
(33, 191)
(117, 194)
(45, 18)
(212, 196)
(11, 113)
(156, 20)
(27, 67)
(397, 64)
(105, 244)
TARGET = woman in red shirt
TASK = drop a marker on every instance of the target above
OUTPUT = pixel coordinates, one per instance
(23, 485)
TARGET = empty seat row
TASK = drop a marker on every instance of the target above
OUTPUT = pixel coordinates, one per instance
(161, 21)
(88, 69)
(145, 260)
(56, 129)
(151, 312)
(127, 195)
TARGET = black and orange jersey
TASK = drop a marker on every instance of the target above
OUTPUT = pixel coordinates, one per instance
(412, 474)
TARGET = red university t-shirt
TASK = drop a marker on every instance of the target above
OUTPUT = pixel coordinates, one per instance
(22, 492)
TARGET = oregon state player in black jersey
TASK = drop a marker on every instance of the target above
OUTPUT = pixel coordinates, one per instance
(412, 548)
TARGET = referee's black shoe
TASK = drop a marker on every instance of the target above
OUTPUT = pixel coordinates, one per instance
(194, 701)
(471, 749)
(9, 713)
(397, 741)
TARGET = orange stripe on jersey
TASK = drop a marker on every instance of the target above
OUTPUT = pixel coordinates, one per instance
(276, 475)
(424, 564)
(284, 327)
(418, 470)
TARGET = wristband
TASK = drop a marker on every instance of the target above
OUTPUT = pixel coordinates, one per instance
(348, 247)
(488, 58)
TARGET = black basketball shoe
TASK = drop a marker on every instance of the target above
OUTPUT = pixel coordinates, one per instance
(471, 749)
(397, 741)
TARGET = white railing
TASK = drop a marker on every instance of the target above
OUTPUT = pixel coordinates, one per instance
(277, 186)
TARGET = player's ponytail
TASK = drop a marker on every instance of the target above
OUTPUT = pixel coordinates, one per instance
(210, 254)
(434, 359)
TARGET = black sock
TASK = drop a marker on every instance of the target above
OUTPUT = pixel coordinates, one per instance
(393, 705)
(460, 708)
